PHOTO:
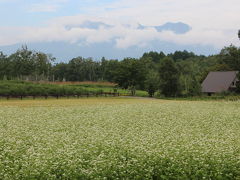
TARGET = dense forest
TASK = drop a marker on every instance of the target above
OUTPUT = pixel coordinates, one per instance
(176, 74)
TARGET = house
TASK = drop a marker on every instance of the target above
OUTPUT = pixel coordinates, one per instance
(217, 82)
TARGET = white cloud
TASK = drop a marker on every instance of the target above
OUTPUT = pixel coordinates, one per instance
(213, 22)
(197, 13)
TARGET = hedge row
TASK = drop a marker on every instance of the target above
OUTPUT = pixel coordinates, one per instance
(32, 89)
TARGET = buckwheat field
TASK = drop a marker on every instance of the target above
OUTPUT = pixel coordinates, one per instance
(117, 138)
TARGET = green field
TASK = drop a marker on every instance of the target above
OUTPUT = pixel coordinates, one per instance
(117, 138)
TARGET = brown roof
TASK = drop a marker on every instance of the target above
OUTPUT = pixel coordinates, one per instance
(218, 81)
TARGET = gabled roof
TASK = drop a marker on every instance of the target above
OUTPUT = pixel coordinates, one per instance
(218, 81)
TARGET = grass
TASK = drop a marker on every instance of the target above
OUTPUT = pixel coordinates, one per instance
(119, 138)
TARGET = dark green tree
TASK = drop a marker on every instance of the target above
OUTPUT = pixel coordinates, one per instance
(81, 69)
(181, 55)
(5, 66)
(130, 73)
(60, 71)
(152, 82)
(43, 66)
(169, 78)
(22, 63)
(189, 83)
(155, 56)
(110, 70)
(231, 57)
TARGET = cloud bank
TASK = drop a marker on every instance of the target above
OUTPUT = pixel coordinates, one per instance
(135, 23)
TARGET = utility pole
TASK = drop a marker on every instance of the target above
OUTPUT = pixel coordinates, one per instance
(239, 34)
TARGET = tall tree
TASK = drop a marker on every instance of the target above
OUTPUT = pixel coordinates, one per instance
(43, 66)
(60, 71)
(130, 73)
(5, 66)
(80, 69)
(155, 56)
(190, 85)
(152, 82)
(231, 57)
(181, 55)
(111, 68)
(169, 77)
(22, 63)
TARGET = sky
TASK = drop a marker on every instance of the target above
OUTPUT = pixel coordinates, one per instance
(71, 28)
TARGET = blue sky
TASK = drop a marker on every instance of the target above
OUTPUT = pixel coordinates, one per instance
(35, 12)
(124, 27)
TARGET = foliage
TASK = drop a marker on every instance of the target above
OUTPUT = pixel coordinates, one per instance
(27, 65)
(155, 56)
(21, 88)
(231, 57)
(189, 83)
(129, 73)
(152, 83)
(182, 55)
(169, 77)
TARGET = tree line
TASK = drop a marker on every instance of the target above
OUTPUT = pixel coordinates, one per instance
(176, 74)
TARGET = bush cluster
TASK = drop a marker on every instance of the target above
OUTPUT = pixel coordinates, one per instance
(20, 88)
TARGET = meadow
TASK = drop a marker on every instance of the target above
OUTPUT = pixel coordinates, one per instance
(119, 138)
